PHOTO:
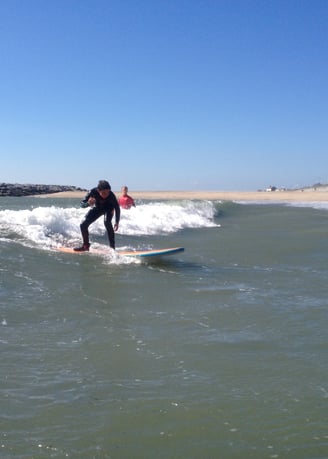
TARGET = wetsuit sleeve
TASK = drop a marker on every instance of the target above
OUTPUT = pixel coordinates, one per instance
(84, 202)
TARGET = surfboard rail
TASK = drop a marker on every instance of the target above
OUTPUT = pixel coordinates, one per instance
(152, 252)
(148, 253)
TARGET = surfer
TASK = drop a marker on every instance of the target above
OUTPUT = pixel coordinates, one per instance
(102, 202)
(126, 201)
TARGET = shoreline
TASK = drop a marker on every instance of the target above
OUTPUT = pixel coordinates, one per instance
(270, 196)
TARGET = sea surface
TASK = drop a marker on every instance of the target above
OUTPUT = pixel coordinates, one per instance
(217, 352)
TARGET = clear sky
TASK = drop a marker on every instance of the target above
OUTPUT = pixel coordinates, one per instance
(164, 94)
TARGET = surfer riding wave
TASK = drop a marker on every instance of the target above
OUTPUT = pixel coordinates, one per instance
(103, 202)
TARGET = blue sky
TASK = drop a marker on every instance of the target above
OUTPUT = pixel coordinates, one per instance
(164, 94)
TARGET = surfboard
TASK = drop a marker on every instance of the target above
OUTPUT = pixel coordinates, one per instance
(145, 254)
(152, 252)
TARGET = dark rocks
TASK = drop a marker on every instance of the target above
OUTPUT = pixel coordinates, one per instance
(16, 189)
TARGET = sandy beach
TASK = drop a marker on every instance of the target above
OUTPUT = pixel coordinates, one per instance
(297, 195)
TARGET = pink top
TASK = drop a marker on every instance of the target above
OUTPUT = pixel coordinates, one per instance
(126, 202)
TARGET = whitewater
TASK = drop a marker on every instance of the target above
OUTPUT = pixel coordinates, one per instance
(53, 226)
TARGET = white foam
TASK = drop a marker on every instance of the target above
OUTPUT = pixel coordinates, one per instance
(312, 204)
(163, 218)
(53, 226)
(321, 205)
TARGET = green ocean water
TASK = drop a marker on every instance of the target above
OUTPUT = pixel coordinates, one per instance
(218, 352)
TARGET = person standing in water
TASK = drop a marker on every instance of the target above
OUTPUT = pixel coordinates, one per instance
(102, 202)
(126, 201)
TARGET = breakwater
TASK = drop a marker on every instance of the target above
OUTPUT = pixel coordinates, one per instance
(15, 189)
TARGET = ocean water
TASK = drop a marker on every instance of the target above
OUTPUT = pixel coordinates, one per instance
(217, 352)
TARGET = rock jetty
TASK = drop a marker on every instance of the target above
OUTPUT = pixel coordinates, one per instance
(15, 189)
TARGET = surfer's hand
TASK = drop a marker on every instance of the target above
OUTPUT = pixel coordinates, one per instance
(116, 227)
(92, 201)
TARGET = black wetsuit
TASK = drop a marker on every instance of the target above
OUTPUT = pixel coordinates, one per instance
(104, 207)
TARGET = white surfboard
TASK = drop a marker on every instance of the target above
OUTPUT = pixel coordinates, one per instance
(145, 254)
